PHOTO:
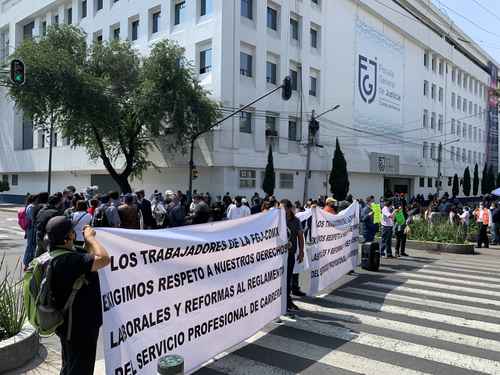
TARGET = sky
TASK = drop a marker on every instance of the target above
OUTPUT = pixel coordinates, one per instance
(479, 19)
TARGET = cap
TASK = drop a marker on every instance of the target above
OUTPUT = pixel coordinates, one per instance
(330, 200)
(57, 229)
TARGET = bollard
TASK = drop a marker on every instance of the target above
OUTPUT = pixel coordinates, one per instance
(171, 365)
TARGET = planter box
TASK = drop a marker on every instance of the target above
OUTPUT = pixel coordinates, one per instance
(440, 247)
(20, 349)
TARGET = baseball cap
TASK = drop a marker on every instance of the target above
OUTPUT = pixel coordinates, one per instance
(58, 229)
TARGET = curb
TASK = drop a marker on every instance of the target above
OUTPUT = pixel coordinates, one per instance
(20, 349)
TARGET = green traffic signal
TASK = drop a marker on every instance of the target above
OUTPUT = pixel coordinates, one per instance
(17, 72)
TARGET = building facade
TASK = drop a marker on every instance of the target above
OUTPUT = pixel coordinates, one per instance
(405, 77)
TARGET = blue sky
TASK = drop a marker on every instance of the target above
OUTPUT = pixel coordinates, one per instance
(480, 19)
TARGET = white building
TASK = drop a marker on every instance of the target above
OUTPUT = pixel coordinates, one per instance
(405, 77)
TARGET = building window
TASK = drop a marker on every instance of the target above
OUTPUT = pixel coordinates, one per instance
(464, 107)
(245, 64)
(440, 123)
(272, 18)
(433, 92)
(452, 126)
(180, 12)
(464, 130)
(40, 138)
(425, 119)
(247, 9)
(453, 75)
(457, 155)
(27, 143)
(271, 129)
(426, 59)
(421, 182)
(464, 155)
(465, 81)
(453, 100)
(440, 94)
(248, 178)
(441, 67)
(459, 78)
(426, 88)
(475, 109)
(28, 31)
(294, 29)
(98, 4)
(434, 64)
(205, 7)
(15, 180)
(294, 132)
(459, 129)
(425, 150)
(205, 61)
(116, 33)
(429, 182)
(286, 180)
(156, 22)
(470, 108)
(44, 28)
(69, 16)
(314, 38)
(246, 122)
(314, 86)
(469, 156)
(475, 134)
(315, 2)
(84, 8)
(135, 30)
(470, 132)
(271, 72)
(433, 151)
(433, 120)
(475, 156)
(98, 38)
(452, 153)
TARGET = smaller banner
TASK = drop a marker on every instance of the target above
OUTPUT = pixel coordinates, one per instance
(334, 251)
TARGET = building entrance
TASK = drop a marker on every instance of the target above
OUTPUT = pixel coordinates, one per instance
(397, 185)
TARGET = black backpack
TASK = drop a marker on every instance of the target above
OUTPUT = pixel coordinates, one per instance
(100, 218)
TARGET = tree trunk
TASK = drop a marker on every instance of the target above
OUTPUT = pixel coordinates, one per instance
(122, 181)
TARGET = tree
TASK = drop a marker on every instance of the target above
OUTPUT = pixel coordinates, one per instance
(4, 186)
(339, 179)
(269, 182)
(113, 102)
(484, 180)
(491, 179)
(466, 182)
(475, 181)
(455, 190)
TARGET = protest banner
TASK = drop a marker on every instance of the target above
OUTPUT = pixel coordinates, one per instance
(334, 249)
(194, 291)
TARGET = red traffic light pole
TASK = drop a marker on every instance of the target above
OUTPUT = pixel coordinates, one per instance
(286, 86)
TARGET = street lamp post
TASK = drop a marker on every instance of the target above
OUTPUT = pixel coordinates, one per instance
(439, 160)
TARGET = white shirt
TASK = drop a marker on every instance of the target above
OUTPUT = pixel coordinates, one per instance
(387, 218)
(465, 217)
(79, 220)
(235, 212)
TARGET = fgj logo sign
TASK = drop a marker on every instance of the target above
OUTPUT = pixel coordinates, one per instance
(367, 79)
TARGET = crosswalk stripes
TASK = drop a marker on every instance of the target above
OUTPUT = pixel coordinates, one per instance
(11, 231)
(421, 316)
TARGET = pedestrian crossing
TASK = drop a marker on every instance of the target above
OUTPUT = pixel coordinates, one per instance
(419, 315)
(11, 232)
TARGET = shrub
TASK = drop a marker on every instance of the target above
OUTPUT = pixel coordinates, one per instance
(12, 313)
(442, 231)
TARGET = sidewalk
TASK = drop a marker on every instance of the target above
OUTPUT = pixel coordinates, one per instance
(9, 207)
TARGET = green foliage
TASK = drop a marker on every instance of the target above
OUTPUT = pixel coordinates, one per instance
(466, 182)
(475, 181)
(12, 313)
(339, 178)
(442, 231)
(484, 180)
(112, 101)
(269, 182)
(4, 186)
(455, 190)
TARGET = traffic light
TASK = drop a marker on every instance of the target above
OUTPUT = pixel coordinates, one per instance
(286, 88)
(194, 173)
(17, 72)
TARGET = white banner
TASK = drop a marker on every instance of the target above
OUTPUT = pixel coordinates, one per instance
(334, 251)
(194, 291)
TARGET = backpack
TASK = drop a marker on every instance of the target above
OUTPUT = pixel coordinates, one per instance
(22, 219)
(100, 218)
(39, 301)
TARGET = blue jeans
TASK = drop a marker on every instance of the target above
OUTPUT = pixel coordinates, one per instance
(385, 245)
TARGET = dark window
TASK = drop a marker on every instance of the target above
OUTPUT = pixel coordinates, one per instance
(205, 61)
(245, 64)
(116, 33)
(205, 7)
(27, 134)
(56, 19)
(271, 72)
(314, 38)
(5, 178)
(99, 4)
(272, 18)
(314, 86)
(293, 134)
(135, 29)
(69, 16)
(180, 9)
(44, 28)
(294, 29)
(315, 2)
(429, 182)
(156, 22)
(15, 180)
(247, 8)
(246, 122)
(84, 8)
(422, 182)
(295, 76)
(28, 31)
(99, 38)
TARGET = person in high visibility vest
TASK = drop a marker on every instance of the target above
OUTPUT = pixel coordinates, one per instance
(483, 219)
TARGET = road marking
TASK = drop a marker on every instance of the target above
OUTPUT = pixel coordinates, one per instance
(337, 357)
(446, 357)
(414, 329)
(427, 271)
(471, 266)
(449, 279)
(383, 284)
(420, 314)
(14, 231)
(453, 288)
(424, 302)
(458, 269)
(237, 365)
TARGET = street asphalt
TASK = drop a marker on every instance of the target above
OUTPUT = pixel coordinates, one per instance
(426, 314)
